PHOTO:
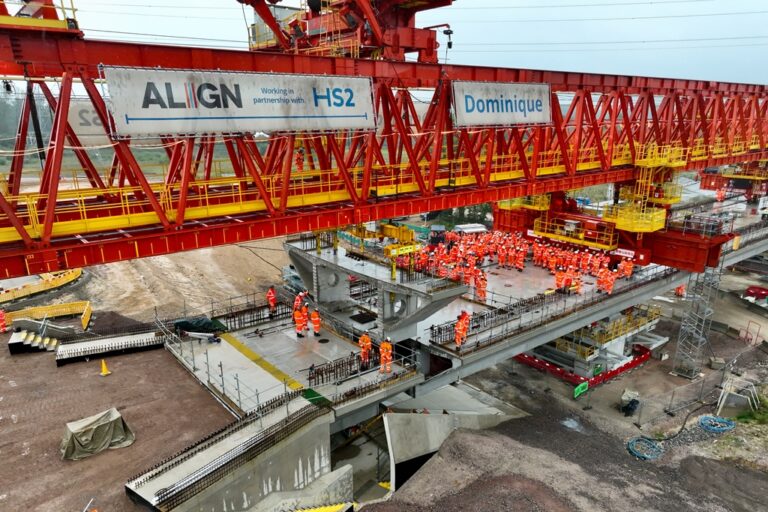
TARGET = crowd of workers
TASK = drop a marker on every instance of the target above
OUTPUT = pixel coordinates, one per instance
(568, 266)
(462, 258)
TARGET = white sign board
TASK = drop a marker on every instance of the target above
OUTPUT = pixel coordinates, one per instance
(157, 102)
(86, 124)
(624, 253)
(501, 104)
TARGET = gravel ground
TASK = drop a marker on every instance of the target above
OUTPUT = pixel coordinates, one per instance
(558, 459)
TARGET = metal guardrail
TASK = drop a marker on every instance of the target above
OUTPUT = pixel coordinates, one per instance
(503, 317)
(212, 438)
(180, 492)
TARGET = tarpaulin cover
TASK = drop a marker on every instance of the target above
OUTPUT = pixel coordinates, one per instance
(200, 324)
(94, 434)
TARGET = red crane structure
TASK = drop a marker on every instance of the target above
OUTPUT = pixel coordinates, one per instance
(223, 188)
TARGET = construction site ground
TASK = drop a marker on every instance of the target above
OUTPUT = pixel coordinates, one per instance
(559, 458)
(164, 406)
(566, 458)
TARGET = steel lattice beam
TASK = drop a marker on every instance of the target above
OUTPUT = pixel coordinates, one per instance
(412, 164)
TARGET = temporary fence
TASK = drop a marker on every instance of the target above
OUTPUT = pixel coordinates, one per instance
(660, 407)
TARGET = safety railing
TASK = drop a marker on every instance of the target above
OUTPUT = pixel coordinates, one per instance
(82, 308)
(572, 347)
(202, 478)
(636, 219)
(211, 439)
(537, 202)
(638, 317)
(352, 366)
(54, 280)
(495, 325)
(602, 236)
(666, 193)
(704, 224)
(652, 155)
(28, 15)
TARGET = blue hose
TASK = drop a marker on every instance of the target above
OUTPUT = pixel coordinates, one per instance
(644, 449)
(716, 424)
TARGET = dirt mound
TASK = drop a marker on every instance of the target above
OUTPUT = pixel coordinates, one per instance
(743, 489)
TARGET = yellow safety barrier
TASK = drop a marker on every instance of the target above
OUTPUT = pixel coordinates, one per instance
(227, 194)
(632, 321)
(671, 193)
(583, 351)
(66, 11)
(55, 280)
(632, 218)
(82, 308)
(603, 236)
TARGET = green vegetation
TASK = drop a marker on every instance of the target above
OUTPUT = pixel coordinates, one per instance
(759, 417)
(477, 214)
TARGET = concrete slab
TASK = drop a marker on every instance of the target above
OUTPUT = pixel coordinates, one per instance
(226, 369)
(459, 398)
(293, 355)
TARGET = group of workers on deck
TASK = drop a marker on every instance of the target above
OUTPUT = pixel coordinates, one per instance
(302, 317)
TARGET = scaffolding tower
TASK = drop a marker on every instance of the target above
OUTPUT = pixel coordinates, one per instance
(693, 337)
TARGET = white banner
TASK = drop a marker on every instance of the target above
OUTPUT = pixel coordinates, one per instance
(86, 124)
(157, 102)
(501, 104)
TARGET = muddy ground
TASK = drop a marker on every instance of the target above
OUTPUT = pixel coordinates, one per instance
(166, 408)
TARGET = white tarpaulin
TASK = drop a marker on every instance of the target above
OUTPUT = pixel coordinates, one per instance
(501, 104)
(91, 435)
(157, 102)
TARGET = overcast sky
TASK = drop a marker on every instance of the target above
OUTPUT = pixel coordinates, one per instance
(705, 39)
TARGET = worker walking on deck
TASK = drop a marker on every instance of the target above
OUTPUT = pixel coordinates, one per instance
(305, 314)
(365, 349)
(272, 300)
(385, 351)
(301, 322)
(315, 317)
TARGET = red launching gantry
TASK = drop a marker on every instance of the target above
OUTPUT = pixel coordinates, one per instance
(61, 207)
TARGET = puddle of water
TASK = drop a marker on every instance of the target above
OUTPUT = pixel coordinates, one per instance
(572, 424)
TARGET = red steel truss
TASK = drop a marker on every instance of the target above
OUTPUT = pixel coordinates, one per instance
(609, 127)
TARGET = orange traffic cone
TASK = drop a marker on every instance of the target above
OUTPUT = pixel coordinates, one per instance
(104, 370)
(3, 326)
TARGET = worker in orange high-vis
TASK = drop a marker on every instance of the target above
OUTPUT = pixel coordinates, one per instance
(315, 317)
(385, 351)
(458, 332)
(301, 322)
(305, 313)
(272, 300)
(298, 300)
(629, 268)
(365, 348)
